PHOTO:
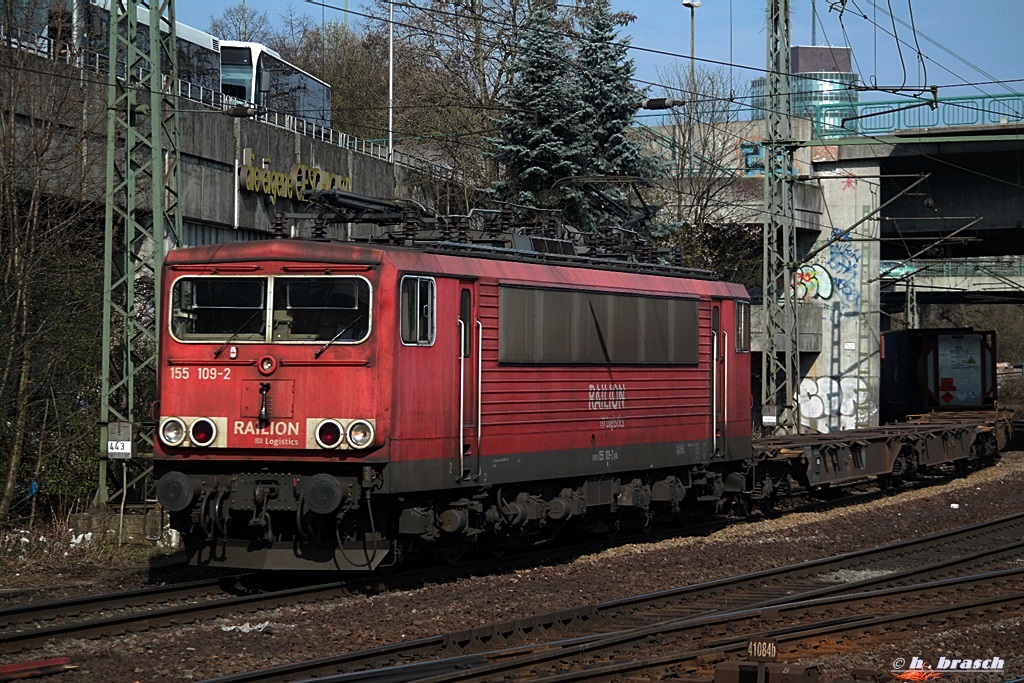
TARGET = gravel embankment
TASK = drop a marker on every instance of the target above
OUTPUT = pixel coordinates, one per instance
(219, 647)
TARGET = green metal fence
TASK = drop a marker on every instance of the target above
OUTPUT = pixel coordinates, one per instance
(882, 118)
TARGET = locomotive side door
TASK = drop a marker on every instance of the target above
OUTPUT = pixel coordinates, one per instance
(719, 379)
(470, 334)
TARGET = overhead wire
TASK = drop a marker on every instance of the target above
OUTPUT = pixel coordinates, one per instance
(849, 43)
(561, 34)
(963, 81)
(899, 50)
(473, 133)
(945, 49)
(919, 53)
(668, 189)
(654, 84)
(917, 43)
(626, 44)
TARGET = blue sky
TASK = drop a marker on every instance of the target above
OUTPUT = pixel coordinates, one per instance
(974, 40)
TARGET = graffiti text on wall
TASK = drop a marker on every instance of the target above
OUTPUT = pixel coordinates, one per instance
(828, 404)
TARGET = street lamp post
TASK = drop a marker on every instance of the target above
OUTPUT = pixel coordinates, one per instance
(692, 4)
(391, 84)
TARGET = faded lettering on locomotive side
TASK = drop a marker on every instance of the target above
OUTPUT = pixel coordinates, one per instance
(607, 397)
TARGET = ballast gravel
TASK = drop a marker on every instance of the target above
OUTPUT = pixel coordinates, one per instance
(267, 638)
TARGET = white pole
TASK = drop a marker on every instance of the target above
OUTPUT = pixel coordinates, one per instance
(391, 85)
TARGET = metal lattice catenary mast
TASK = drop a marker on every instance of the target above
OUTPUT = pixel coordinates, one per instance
(142, 163)
(780, 374)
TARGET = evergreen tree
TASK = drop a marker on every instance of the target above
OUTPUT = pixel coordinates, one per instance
(544, 138)
(611, 100)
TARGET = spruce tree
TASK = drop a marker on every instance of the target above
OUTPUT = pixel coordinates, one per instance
(543, 137)
(611, 99)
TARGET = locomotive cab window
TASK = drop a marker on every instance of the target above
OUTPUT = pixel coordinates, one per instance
(418, 310)
(219, 308)
(321, 309)
(742, 326)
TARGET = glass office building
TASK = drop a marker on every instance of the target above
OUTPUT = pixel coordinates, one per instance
(820, 76)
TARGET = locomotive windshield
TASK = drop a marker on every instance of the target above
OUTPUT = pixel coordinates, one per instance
(215, 308)
(332, 309)
(321, 309)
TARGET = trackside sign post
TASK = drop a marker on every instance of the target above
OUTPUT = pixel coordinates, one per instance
(120, 444)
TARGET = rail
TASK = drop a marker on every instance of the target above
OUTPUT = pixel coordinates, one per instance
(704, 610)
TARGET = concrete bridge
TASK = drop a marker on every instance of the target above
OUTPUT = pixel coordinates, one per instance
(984, 279)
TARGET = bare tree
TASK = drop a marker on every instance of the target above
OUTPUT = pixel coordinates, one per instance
(50, 253)
(461, 54)
(468, 47)
(706, 190)
(241, 22)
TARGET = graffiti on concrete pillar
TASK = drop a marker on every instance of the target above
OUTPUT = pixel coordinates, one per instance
(844, 265)
(813, 282)
(828, 404)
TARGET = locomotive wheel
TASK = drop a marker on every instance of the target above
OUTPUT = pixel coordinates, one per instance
(451, 554)
(740, 505)
(767, 504)
(890, 482)
(614, 526)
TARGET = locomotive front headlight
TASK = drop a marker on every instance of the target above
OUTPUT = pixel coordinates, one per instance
(172, 431)
(329, 434)
(202, 432)
(360, 434)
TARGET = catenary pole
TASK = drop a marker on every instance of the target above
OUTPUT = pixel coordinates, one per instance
(142, 154)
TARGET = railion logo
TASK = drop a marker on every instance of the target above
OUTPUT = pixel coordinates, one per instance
(606, 397)
(275, 428)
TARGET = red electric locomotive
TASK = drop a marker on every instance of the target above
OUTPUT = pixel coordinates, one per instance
(337, 404)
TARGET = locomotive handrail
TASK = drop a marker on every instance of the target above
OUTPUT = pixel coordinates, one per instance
(479, 391)
(207, 361)
(714, 392)
(339, 362)
(462, 400)
(725, 390)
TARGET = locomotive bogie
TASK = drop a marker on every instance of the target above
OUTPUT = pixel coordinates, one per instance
(245, 492)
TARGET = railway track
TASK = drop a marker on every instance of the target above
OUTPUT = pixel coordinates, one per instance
(684, 612)
(30, 625)
(694, 643)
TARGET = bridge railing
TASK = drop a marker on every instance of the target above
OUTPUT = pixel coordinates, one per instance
(98, 63)
(992, 266)
(881, 118)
